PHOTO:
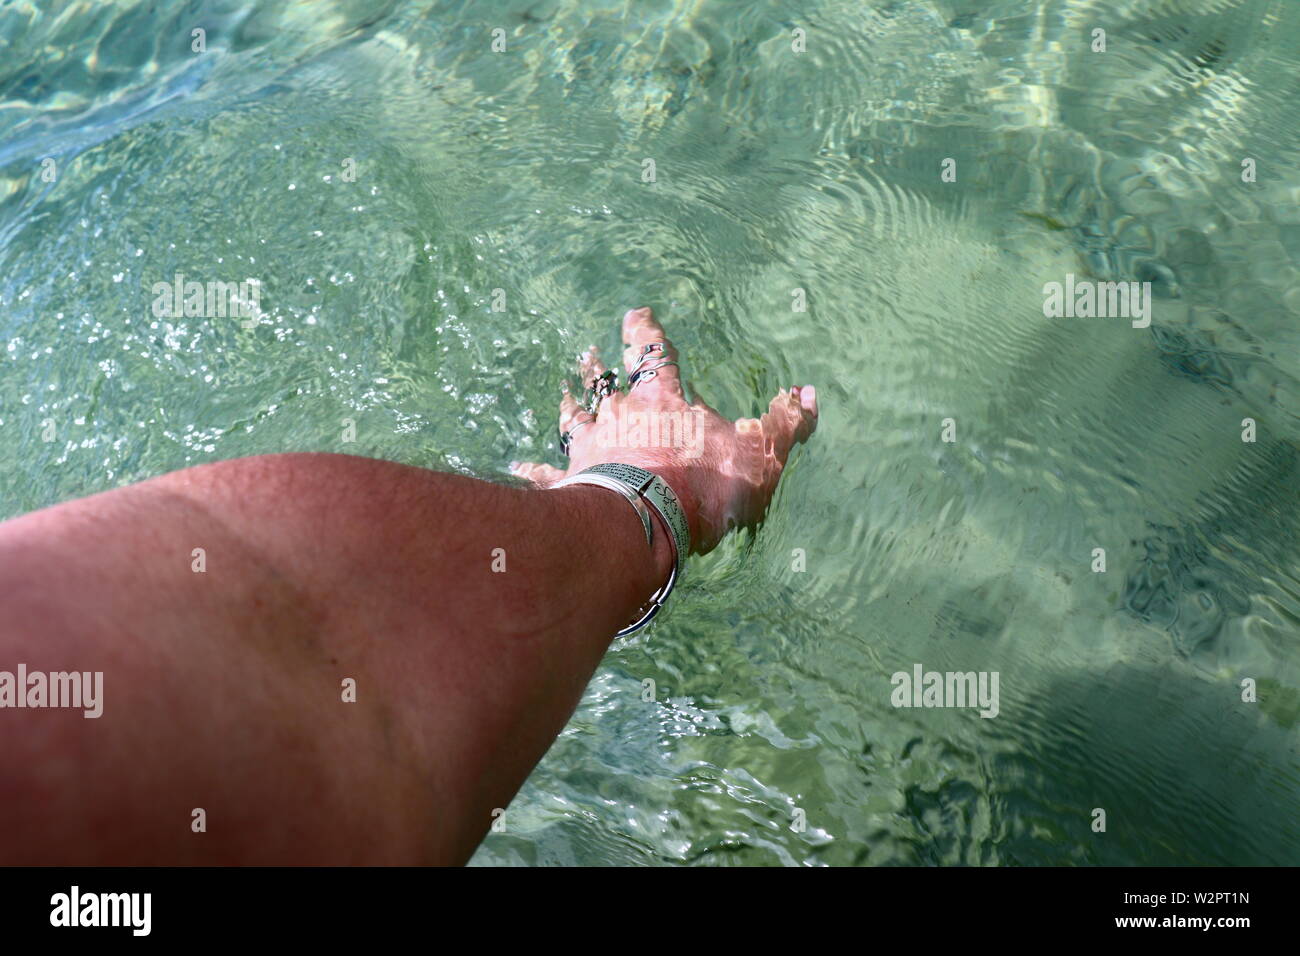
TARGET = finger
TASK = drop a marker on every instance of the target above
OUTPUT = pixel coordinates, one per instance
(640, 328)
(590, 367)
(790, 418)
(571, 413)
(536, 473)
(577, 422)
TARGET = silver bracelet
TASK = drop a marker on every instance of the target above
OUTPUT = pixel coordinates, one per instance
(637, 485)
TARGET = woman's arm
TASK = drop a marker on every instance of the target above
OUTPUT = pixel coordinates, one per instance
(470, 615)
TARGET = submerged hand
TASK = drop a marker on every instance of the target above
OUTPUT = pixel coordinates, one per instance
(723, 472)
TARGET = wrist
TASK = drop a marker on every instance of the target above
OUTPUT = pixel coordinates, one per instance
(662, 550)
(678, 479)
(677, 476)
(617, 533)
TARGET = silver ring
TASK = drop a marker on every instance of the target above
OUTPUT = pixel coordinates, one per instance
(566, 437)
(644, 375)
(645, 356)
(602, 385)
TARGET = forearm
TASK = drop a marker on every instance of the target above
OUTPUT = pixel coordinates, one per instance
(223, 688)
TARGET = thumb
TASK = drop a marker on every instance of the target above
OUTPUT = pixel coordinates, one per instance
(537, 474)
(790, 418)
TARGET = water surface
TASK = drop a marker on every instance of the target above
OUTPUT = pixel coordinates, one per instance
(775, 171)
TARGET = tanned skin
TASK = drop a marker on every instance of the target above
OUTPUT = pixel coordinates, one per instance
(223, 690)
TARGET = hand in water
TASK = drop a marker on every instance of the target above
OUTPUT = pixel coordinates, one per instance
(724, 472)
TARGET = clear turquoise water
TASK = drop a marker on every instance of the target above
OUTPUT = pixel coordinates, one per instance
(522, 171)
